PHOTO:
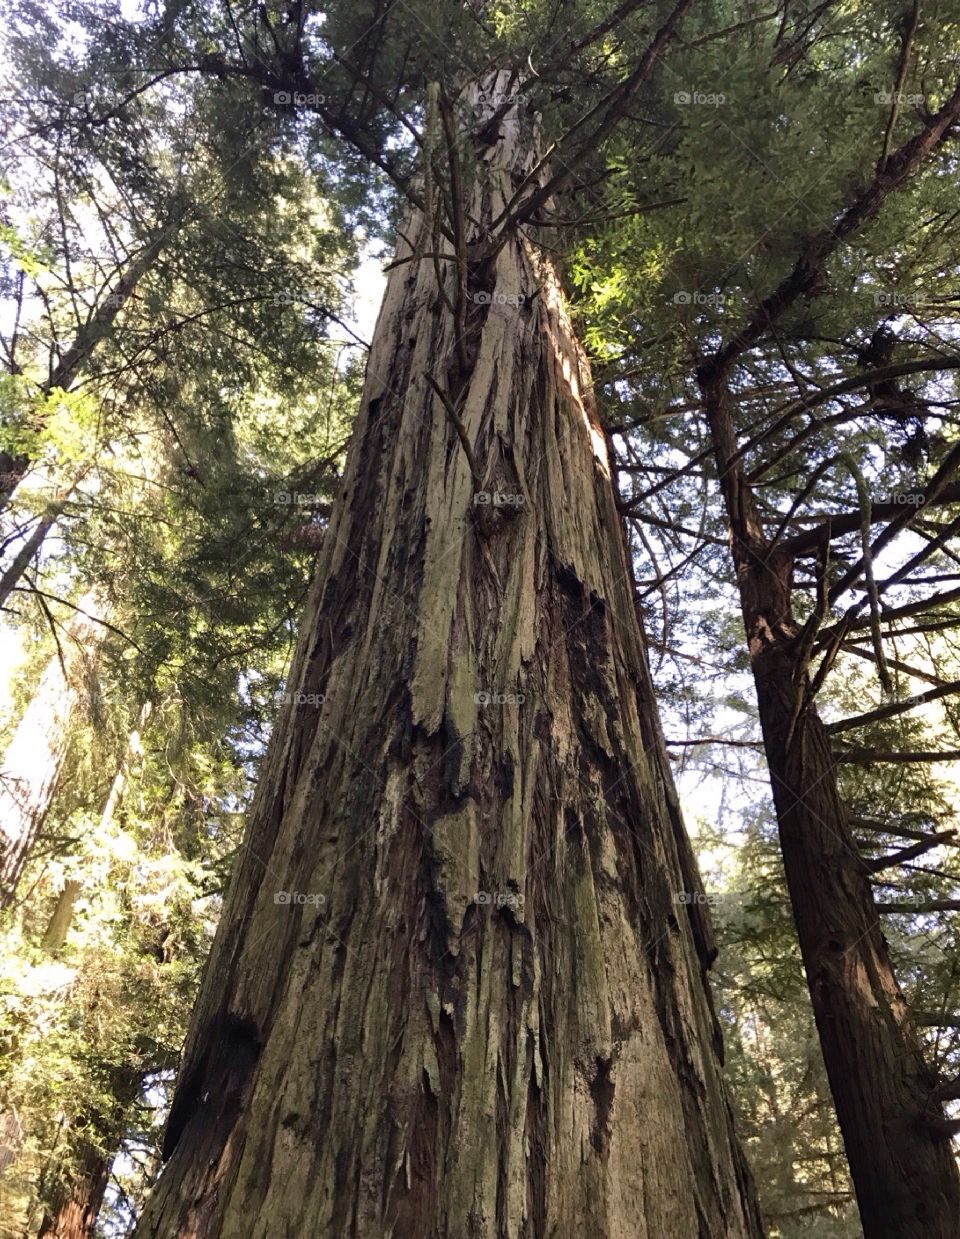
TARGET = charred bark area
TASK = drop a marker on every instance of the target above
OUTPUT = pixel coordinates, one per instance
(485, 1015)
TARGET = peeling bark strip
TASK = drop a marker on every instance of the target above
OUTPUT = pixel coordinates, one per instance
(481, 1009)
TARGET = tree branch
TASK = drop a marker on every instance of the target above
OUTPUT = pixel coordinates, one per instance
(932, 905)
(808, 269)
(909, 853)
(864, 756)
(894, 708)
(837, 524)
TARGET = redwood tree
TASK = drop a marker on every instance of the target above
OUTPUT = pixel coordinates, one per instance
(458, 986)
(888, 1098)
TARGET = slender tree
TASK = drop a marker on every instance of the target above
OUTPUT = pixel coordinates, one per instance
(34, 759)
(904, 1169)
(787, 344)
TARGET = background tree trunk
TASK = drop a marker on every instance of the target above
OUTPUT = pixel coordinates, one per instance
(34, 758)
(98, 327)
(458, 987)
(77, 1216)
(75, 1206)
(55, 934)
(903, 1168)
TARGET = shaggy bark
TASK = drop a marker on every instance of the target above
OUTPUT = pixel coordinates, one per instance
(903, 1170)
(481, 1009)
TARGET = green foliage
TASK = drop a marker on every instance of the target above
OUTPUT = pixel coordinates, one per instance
(199, 449)
(224, 384)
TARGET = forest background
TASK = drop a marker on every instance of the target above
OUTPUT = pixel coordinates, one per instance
(192, 249)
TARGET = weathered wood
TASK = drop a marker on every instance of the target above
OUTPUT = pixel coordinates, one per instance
(488, 1014)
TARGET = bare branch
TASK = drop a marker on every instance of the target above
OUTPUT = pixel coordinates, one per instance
(864, 756)
(918, 909)
(458, 426)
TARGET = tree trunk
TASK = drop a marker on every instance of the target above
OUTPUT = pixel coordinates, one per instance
(75, 1206)
(77, 1203)
(902, 1167)
(456, 990)
(55, 935)
(13, 574)
(77, 1216)
(11, 1140)
(33, 761)
(97, 328)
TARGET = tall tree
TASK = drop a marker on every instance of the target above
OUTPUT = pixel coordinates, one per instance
(33, 761)
(785, 347)
(458, 984)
